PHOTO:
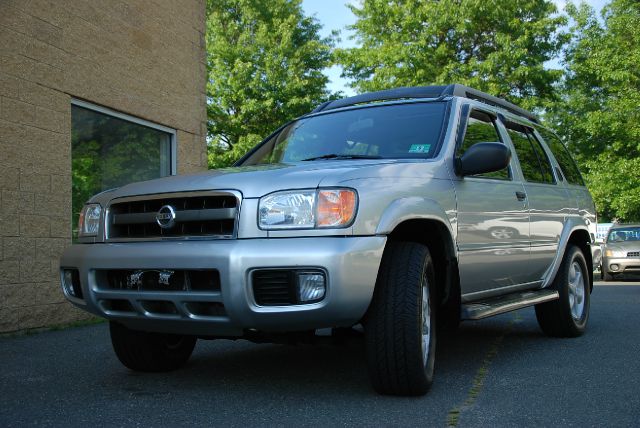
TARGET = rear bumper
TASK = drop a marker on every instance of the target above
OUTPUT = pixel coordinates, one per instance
(351, 265)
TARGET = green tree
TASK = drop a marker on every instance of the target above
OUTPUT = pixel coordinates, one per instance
(495, 46)
(265, 62)
(600, 112)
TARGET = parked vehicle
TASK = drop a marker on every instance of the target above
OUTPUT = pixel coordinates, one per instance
(621, 251)
(398, 210)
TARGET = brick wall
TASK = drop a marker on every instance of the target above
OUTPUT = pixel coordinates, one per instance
(145, 58)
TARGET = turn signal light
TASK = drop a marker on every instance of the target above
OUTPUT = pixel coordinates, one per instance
(336, 207)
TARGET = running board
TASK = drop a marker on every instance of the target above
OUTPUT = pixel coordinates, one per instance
(507, 303)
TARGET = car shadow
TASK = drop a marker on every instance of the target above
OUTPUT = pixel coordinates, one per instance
(318, 370)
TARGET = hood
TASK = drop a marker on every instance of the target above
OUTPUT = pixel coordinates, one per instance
(624, 246)
(252, 181)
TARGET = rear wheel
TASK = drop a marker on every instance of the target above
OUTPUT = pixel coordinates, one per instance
(567, 316)
(150, 352)
(400, 325)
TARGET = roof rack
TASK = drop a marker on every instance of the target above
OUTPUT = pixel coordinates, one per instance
(426, 92)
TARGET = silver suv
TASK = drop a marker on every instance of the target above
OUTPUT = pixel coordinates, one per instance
(621, 251)
(395, 211)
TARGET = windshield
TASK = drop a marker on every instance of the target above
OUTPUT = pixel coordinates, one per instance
(626, 234)
(390, 131)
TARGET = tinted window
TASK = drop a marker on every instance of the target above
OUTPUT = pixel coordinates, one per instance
(533, 161)
(482, 129)
(391, 131)
(560, 152)
(545, 163)
(527, 156)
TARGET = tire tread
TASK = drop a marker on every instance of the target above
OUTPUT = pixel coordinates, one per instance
(393, 368)
(554, 317)
(148, 352)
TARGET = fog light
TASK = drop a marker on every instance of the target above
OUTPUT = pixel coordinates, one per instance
(614, 267)
(71, 283)
(311, 287)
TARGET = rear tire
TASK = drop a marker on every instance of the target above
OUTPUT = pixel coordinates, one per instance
(567, 316)
(400, 325)
(150, 352)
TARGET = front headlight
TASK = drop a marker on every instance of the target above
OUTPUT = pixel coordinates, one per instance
(307, 209)
(614, 253)
(89, 222)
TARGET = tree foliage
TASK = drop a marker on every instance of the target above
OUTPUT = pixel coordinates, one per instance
(600, 111)
(497, 47)
(265, 62)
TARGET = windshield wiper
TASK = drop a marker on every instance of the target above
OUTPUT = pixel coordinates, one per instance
(336, 156)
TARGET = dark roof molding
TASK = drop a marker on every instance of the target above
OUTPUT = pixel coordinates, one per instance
(426, 92)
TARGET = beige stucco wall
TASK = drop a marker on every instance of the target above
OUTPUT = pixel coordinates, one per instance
(145, 58)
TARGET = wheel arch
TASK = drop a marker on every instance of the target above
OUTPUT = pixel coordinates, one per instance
(582, 239)
(436, 236)
(572, 234)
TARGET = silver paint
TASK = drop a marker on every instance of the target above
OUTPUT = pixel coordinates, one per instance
(351, 265)
(502, 245)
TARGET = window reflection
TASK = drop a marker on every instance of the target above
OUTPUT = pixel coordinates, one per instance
(108, 152)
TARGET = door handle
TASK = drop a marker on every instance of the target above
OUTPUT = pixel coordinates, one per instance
(521, 196)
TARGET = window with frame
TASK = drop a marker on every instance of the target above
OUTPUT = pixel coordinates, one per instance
(110, 149)
(535, 164)
(481, 128)
(401, 131)
(563, 157)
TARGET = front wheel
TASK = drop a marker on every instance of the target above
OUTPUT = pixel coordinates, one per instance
(567, 316)
(150, 352)
(400, 324)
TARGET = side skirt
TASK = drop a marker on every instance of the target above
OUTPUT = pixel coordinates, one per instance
(507, 303)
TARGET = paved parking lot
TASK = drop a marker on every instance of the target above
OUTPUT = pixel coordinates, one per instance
(496, 372)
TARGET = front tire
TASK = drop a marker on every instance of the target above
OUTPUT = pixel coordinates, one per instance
(567, 316)
(606, 276)
(400, 324)
(150, 352)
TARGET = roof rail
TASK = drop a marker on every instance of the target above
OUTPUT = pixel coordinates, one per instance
(426, 92)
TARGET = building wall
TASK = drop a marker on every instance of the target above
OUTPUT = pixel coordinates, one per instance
(145, 58)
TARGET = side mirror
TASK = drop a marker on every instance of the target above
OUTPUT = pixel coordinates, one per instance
(482, 158)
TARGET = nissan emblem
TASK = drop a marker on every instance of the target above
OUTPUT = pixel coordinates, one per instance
(166, 217)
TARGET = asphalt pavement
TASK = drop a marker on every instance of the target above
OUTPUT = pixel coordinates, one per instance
(497, 372)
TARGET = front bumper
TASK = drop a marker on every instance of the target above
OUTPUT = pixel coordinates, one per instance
(351, 265)
(623, 265)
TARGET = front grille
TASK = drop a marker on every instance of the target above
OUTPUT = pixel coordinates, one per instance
(210, 215)
(633, 254)
(158, 280)
(274, 287)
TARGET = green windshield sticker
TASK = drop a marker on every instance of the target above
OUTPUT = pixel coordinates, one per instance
(419, 148)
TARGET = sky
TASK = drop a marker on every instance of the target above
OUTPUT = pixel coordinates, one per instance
(335, 15)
